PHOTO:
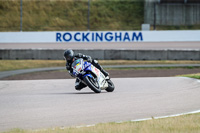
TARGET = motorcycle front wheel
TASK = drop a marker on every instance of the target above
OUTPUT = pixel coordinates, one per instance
(111, 86)
(92, 84)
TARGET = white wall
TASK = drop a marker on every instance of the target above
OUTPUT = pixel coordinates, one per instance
(99, 36)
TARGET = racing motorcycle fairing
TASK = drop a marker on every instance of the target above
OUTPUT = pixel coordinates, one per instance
(82, 69)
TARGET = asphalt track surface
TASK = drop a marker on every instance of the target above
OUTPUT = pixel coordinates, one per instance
(104, 45)
(36, 104)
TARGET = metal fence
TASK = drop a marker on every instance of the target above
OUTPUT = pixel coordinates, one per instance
(172, 14)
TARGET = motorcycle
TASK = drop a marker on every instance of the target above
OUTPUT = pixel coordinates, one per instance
(91, 76)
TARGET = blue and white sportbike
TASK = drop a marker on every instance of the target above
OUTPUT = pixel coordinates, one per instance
(91, 76)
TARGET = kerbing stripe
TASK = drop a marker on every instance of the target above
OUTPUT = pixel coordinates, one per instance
(168, 116)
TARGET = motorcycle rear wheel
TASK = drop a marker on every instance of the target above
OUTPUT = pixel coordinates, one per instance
(92, 84)
(111, 86)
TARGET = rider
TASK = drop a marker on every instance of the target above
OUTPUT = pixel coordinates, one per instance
(70, 57)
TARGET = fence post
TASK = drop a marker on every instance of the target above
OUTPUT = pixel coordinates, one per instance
(21, 15)
(88, 15)
(154, 23)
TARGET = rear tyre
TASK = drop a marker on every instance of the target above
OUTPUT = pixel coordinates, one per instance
(111, 86)
(92, 84)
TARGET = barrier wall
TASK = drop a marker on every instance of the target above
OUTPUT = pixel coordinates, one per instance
(99, 36)
(49, 54)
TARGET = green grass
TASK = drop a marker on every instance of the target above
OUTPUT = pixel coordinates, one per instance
(149, 68)
(180, 124)
(71, 15)
(139, 62)
(6, 65)
(196, 76)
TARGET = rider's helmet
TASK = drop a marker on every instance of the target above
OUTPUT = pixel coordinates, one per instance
(69, 55)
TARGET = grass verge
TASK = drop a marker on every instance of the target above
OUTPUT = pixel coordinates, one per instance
(71, 15)
(6, 65)
(196, 76)
(180, 124)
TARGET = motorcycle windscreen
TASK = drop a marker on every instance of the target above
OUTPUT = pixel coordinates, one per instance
(77, 66)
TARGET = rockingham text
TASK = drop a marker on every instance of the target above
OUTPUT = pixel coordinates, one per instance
(99, 36)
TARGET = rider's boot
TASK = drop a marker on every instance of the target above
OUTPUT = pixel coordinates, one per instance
(79, 85)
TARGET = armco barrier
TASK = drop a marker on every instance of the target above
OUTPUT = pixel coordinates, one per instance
(184, 54)
(50, 54)
(152, 55)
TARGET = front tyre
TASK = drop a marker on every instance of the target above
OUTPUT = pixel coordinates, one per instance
(111, 86)
(92, 84)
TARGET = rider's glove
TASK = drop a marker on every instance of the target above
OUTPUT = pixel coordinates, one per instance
(89, 59)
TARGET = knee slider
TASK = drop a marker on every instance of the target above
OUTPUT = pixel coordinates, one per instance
(95, 61)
